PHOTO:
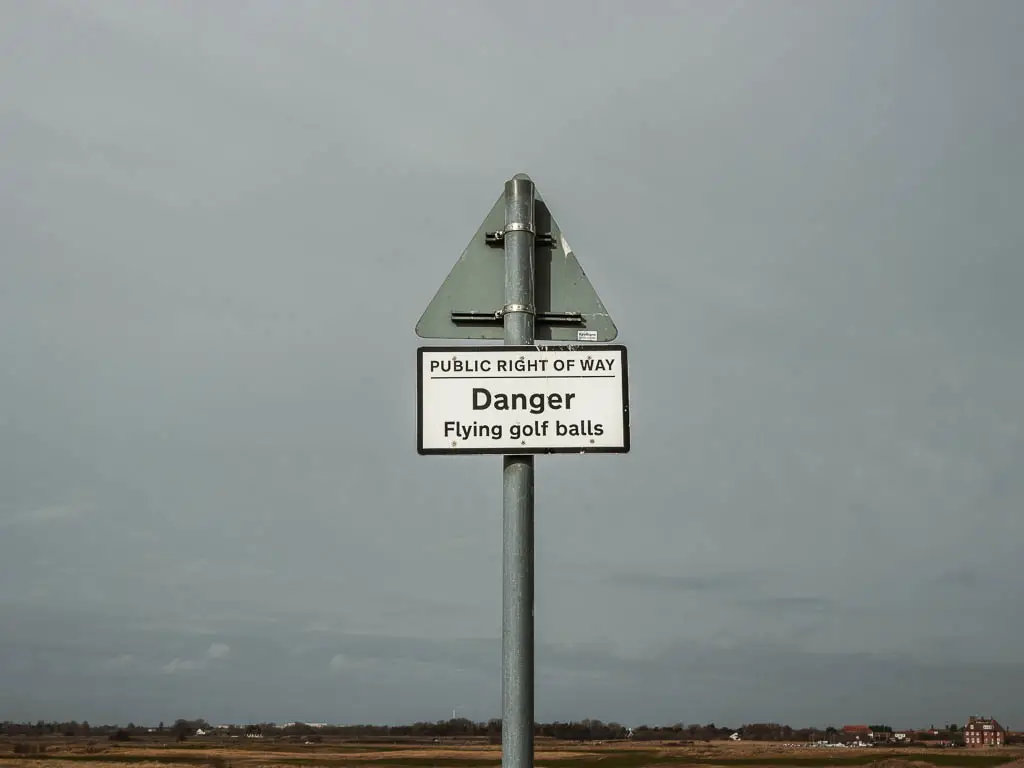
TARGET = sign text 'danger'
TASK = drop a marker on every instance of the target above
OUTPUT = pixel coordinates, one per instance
(523, 399)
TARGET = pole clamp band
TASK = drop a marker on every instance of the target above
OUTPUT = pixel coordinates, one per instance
(521, 226)
(515, 308)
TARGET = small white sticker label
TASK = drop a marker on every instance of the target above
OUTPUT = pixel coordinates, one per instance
(586, 335)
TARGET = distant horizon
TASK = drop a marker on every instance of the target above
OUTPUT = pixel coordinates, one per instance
(169, 723)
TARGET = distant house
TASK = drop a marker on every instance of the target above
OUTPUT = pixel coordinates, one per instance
(857, 732)
(881, 734)
(984, 732)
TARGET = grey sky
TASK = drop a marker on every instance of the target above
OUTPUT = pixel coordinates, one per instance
(220, 223)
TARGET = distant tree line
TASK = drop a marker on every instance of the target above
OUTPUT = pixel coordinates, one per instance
(184, 729)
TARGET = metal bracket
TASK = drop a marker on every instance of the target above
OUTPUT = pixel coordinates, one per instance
(546, 318)
(496, 239)
(515, 308)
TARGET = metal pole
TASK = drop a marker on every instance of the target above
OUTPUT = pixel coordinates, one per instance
(517, 495)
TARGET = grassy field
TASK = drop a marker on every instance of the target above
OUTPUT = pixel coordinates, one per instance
(469, 754)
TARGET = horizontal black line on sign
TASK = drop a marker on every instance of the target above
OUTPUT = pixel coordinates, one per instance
(549, 376)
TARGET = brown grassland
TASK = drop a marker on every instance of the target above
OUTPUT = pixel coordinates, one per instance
(471, 753)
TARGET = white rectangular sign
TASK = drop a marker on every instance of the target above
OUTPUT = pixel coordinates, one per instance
(519, 400)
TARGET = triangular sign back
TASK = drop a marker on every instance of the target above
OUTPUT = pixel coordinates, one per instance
(467, 304)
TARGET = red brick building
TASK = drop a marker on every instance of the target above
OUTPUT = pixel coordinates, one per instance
(859, 732)
(984, 732)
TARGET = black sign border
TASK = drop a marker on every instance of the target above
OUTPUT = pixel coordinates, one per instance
(522, 348)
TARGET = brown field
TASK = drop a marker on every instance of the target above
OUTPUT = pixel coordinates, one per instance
(454, 753)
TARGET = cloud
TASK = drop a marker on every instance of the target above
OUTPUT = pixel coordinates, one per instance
(740, 588)
(180, 665)
(218, 651)
(44, 515)
(813, 603)
(392, 678)
(341, 663)
(215, 653)
(122, 662)
(722, 582)
(968, 579)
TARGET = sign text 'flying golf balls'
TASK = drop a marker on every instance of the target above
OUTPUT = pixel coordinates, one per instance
(522, 400)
